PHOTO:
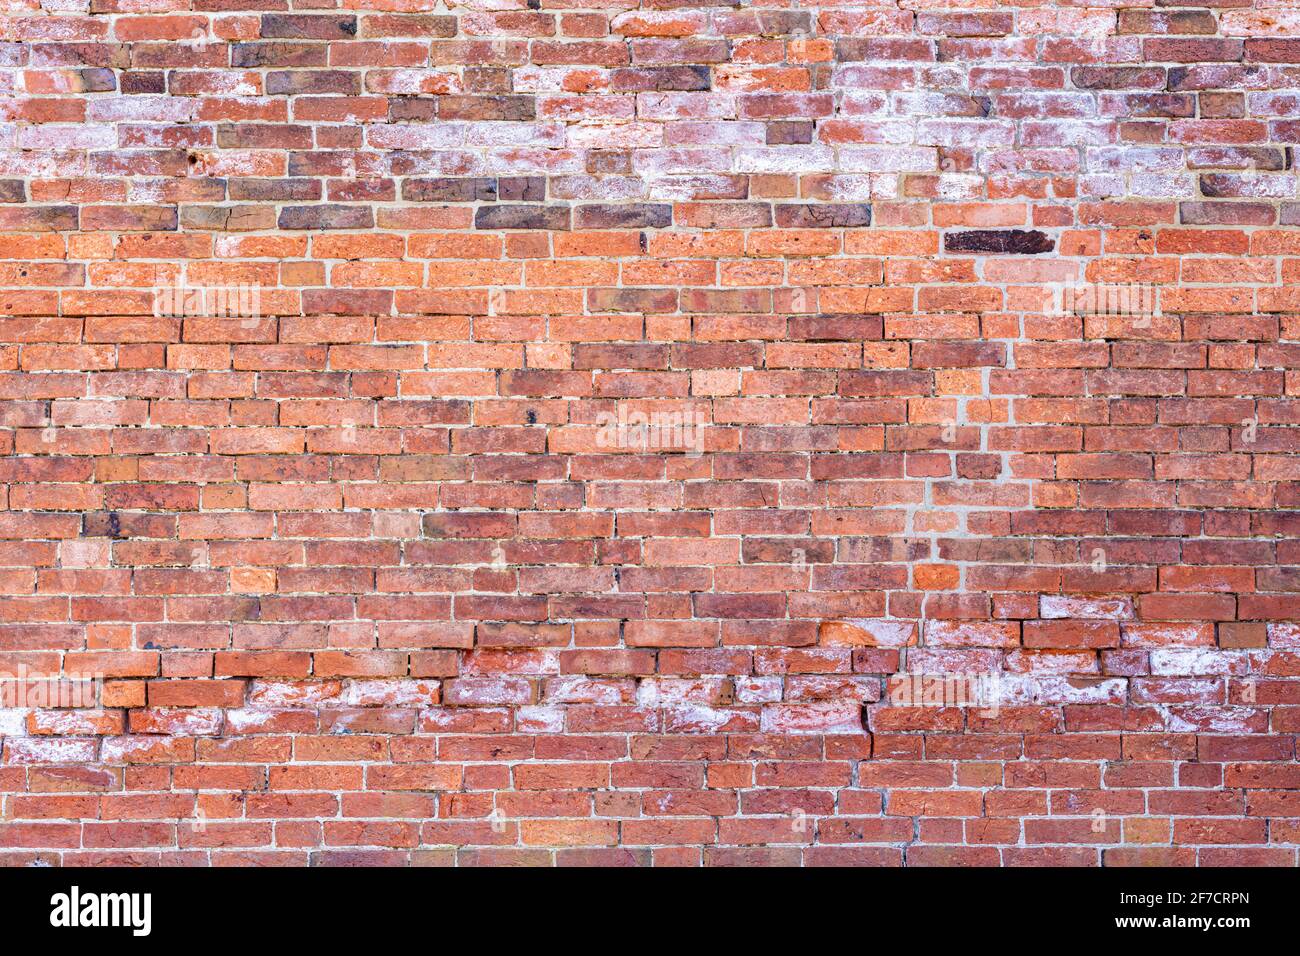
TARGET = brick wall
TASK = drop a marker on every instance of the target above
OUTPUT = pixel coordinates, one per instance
(534, 432)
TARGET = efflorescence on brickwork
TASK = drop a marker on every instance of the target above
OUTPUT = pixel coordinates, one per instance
(558, 432)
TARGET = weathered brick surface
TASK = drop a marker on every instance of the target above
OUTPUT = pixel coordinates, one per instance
(967, 337)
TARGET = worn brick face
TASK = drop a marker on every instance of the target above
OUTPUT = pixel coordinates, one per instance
(649, 433)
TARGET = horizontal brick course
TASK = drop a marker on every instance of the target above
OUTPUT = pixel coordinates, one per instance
(607, 435)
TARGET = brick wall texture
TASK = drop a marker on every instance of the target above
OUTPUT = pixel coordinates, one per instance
(549, 432)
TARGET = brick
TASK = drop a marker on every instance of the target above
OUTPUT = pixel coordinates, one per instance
(643, 426)
(522, 217)
(1009, 241)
